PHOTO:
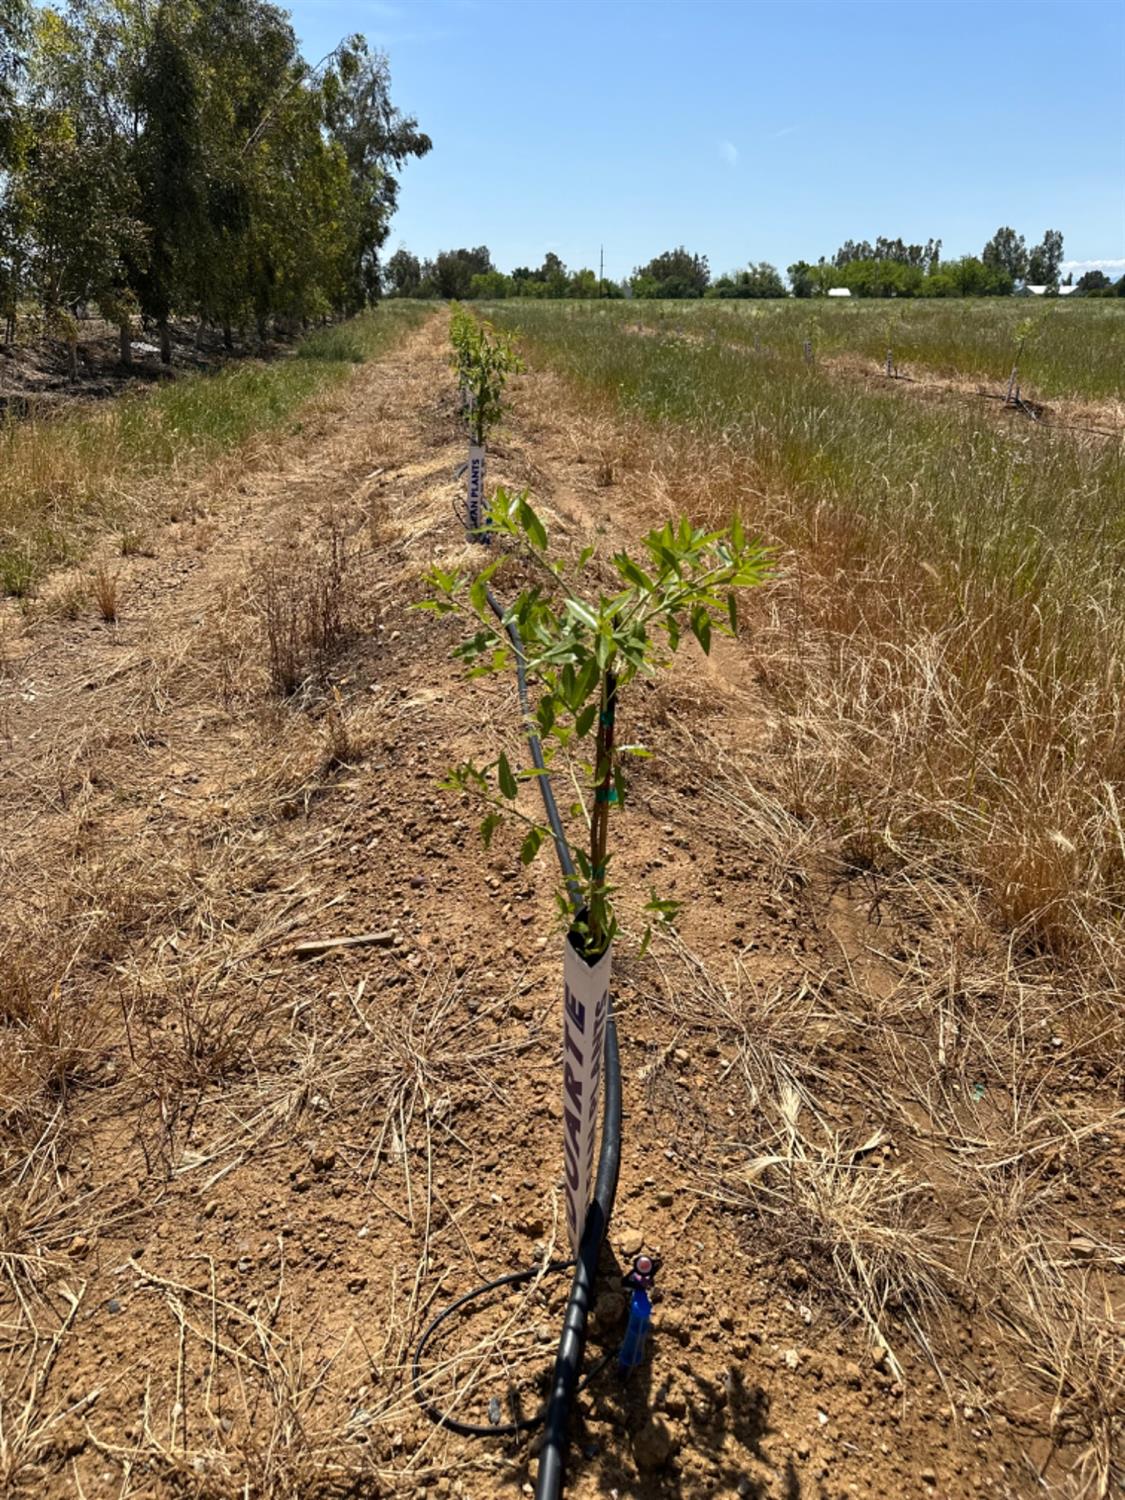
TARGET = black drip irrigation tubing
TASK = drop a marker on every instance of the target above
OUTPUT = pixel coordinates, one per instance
(565, 1383)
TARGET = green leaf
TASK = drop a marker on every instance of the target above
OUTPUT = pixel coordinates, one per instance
(531, 845)
(582, 613)
(619, 783)
(532, 525)
(507, 780)
(586, 681)
(545, 715)
(732, 613)
(491, 822)
(476, 645)
(632, 573)
(701, 628)
(664, 909)
(585, 720)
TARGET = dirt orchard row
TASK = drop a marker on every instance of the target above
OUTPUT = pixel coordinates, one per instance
(261, 1176)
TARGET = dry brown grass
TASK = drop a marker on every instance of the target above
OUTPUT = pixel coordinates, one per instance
(943, 775)
(103, 590)
(921, 1115)
(304, 608)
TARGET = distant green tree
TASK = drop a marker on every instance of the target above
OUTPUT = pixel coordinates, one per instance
(552, 276)
(453, 271)
(921, 257)
(967, 277)
(676, 273)
(490, 286)
(81, 233)
(1092, 281)
(170, 167)
(376, 140)
(583, 283)
(800, 275)
(761, 280)
(15, 39)
(1006, 250)
(1044, 260)
(881, 278)
(402, 274)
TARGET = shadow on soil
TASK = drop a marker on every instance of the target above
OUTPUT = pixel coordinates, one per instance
(626, 1431)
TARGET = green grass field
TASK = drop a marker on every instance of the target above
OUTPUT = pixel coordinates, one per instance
(1071, 348)
(968, 488)
(960, 568)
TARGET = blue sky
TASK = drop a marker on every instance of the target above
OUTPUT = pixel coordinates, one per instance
(749, 131)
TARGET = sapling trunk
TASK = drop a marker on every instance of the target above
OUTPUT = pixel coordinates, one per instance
(599, 821)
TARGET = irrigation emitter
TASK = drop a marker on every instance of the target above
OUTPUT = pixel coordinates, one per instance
(641, 1279)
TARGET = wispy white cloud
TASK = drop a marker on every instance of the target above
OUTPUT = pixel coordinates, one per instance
(729, 153)
(1095, 265)
(785, 130)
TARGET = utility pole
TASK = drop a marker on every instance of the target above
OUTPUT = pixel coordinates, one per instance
(601, 268)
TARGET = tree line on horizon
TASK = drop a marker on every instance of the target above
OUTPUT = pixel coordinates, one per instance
(887, 268)
(182, 159)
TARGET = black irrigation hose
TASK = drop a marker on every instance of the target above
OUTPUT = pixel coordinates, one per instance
(497, 1429)
(565, 1383)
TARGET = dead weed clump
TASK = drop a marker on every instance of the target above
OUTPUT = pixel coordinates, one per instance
(839, 1204)
(305, 609)
(103, 589)
(51, 1032)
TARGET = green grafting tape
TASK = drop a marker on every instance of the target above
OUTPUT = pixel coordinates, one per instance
(606, 718)
(605, 794)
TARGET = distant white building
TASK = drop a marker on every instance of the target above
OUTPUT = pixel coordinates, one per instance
(1036, 291)
(838, 291)
(1065, 291)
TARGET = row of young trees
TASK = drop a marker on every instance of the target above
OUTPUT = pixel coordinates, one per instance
(181, 158)
(889, 268)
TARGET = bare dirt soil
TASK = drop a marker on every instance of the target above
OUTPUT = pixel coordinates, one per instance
(237, 1184)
